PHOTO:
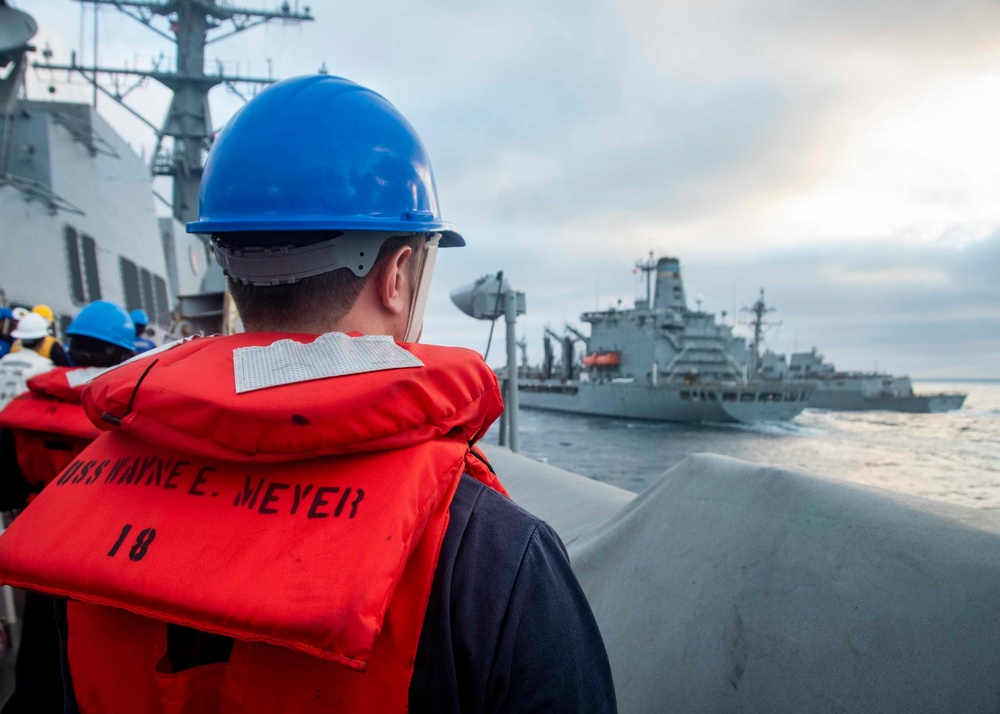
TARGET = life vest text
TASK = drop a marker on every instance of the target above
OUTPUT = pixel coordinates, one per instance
(262, 496)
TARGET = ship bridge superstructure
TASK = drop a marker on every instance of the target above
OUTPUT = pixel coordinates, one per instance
(661, 339)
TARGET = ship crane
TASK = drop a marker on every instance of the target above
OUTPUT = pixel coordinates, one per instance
(576, 333)
(548, 359)
(567, 342)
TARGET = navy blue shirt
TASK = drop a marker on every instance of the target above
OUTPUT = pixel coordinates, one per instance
(508, 628)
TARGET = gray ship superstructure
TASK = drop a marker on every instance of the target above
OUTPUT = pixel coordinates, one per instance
(78, 220)
(855, 391)
(661, 361)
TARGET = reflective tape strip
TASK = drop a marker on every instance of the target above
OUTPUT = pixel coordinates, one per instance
(331, 355)
(83, 375)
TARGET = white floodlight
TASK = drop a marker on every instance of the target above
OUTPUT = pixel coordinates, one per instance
(488, 298)
(484, 299)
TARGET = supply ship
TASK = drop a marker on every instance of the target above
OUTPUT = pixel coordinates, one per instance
(661, 361)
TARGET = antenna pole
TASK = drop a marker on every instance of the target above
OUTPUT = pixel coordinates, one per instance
(758, 311)
(189, 123)
(95, 52)
(648, 267)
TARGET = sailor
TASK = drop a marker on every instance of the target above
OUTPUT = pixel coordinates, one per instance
(50, 346)
(297, 518)
(24, 360)
(141, 319)
(7, 323)
(44, 429)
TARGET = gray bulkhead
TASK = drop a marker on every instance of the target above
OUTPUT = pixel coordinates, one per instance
(79, 218)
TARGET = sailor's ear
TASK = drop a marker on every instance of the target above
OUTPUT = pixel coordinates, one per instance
(395, 281)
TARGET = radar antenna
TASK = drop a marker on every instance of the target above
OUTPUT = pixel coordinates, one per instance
(758, 310)
(188, 123)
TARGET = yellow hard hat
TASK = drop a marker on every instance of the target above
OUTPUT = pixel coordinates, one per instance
(45, 311)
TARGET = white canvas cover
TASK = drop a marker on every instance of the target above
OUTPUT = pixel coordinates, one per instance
(730, 587)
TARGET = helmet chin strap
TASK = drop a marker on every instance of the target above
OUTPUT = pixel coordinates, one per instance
(418, 301)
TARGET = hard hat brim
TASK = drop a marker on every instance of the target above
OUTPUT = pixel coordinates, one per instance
(450, 238)
(28, 335)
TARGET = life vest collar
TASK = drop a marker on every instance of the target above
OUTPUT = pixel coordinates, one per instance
(185, 399)
(64, 383)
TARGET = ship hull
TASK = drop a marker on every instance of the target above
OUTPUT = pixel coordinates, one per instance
(722, 404)
(851, 400)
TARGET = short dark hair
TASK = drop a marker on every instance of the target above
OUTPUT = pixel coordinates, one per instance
(332, 294)
(87, 351)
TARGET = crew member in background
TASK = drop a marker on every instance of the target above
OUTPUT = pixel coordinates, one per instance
(141, 319)
(24, 360)
(43, 430)
(50, 347)
(7, 323)
(296, 518)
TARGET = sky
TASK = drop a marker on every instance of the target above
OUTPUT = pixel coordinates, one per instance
(841, 155)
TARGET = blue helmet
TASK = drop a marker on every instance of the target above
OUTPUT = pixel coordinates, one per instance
(319, 153)
(6, 314)
(139, 317)
(105, 321)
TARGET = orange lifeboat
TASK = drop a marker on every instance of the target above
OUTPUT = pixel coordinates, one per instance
(602, 359)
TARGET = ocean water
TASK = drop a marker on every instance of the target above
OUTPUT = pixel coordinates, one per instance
(954, 456)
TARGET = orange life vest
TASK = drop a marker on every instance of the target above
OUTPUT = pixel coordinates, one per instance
(302, 520)
(49, 426)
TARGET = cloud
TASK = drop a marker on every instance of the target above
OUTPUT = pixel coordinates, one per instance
(936, 315)
(840, 154)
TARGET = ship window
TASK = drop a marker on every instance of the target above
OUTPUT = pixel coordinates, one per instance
(73, 265)
(746, 397)
(729, 396)
(90, 268)
(146, 284)
(711, 396)
(81, 262)
(130, 284)
(162, 303)
(792, 397)
(144, 290)
(686, 396)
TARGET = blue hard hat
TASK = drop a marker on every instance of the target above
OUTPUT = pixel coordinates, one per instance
(319, 153)
(6, 314)
(105, 321)
(139, 317)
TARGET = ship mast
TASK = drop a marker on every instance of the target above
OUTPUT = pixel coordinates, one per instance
(188, 123)
(648, 267)
(758, 310)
